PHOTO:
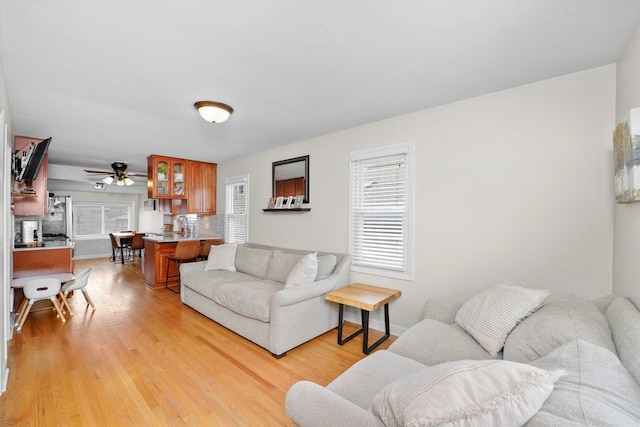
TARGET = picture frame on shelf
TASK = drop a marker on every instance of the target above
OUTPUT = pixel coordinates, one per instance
(297, 201)
(279, 202)
(288, 203)
(272, 203)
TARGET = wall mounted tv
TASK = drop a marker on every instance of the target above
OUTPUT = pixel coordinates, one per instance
(35, 161)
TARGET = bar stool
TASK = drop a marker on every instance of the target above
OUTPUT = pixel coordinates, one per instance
(204, 252)
(186, 251)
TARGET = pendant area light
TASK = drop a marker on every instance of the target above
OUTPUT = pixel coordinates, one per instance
(214, 112)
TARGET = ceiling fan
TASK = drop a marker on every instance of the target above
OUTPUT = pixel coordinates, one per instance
(119, 174)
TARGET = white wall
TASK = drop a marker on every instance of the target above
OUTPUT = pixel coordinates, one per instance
(626, 251)
(515, 185)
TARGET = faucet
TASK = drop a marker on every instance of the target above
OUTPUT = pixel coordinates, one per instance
(184, 224)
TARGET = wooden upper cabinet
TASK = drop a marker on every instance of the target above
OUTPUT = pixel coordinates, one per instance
(201, 187)
(30, 204)
(166, 177)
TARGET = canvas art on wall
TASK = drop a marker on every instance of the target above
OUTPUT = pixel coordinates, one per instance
(626, 154)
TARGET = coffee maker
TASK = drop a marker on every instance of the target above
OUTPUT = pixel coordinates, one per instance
(29, 230)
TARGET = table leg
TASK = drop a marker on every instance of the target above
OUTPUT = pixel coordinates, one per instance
(340, 324)
(387, 330)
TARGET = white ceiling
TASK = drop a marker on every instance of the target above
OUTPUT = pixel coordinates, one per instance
(116, 81)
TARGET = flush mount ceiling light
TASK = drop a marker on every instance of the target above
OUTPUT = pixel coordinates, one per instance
(99, 186)
(214, 112)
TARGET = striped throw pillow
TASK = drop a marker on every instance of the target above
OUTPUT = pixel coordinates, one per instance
(466, 393)
(490, 316)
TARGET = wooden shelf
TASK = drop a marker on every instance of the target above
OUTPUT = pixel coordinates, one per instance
(287, 210)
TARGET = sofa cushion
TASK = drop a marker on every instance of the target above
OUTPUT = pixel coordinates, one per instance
(304, 272)
(222, 257)
(491, 315)
(281, 265)
(624, 320)
(253, 261)
(207, 282)
(360, 383)
(557, 323)
(466, 393)
(250, 299)
(596, 391)
(326, 265)
(432, 342)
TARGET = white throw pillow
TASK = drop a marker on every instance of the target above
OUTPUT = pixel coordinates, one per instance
(466, 393)
(304, 272)
(491, 315)
(222, 257)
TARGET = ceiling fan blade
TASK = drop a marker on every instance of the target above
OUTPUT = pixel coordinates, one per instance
(135, 174)
(100, 172)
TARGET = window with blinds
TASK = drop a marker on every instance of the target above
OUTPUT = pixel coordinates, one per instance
(380, 211)
(101, 218)
(236, 228)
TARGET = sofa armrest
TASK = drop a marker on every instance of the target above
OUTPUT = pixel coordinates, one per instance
(310, 405)
(188, 267)
(298, 294)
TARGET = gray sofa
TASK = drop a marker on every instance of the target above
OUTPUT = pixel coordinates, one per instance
(596, 344)
(253, 302)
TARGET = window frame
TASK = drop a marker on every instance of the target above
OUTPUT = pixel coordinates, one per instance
(234, 181)
(104, 233)
(355, 159)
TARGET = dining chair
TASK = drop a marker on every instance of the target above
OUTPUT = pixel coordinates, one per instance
(115, 248)
(186, 251)
(78, 284)
(136, 243)
(37, 290)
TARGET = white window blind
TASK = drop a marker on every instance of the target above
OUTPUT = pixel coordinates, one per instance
(380, 211)
(236, 228)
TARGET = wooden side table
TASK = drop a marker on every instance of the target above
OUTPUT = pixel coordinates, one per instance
(367, 298)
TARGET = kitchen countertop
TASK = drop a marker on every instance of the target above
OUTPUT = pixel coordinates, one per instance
(176, 237)
(47, 246)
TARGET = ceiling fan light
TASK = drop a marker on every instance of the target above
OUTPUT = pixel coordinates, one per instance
(120, 182)
(108, 180)
(214, 112)
(128, 181)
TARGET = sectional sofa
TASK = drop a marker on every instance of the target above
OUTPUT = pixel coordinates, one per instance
(567, 363)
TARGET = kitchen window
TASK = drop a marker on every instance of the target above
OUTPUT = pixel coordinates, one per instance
(98, 219)
(381, 211)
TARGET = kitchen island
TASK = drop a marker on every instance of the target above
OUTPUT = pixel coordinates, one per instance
(156, 250)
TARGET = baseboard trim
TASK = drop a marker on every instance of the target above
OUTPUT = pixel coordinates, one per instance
(353, 316)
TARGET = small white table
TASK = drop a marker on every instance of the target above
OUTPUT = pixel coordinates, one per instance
(62, 277)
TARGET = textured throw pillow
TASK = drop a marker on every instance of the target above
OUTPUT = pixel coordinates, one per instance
(304, 272)
(466, 393)
(222, 257)
(491, 315)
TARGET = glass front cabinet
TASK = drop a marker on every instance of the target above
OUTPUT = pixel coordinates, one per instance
(166, 178)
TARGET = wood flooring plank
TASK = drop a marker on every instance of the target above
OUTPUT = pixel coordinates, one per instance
(144, 358)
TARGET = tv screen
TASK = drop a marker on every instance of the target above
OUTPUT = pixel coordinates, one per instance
(35, 162)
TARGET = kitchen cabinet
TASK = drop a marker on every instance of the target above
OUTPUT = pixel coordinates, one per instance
(201, 187)
(30, 204)
(166, 177)
(290, 187)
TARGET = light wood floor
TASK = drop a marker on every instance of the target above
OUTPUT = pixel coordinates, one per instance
(144, 358)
